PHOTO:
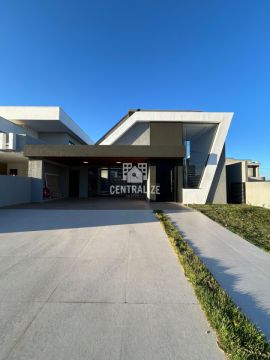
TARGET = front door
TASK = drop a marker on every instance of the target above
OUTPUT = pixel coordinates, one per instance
(165, 178)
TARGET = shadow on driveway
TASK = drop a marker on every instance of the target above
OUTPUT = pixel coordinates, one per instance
(79, 213)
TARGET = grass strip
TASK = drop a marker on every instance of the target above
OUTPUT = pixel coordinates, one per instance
(237, 336)
(250, 222)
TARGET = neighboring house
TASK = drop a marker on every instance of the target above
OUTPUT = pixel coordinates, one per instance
(166, 155)
(26, 125)
(244, 183)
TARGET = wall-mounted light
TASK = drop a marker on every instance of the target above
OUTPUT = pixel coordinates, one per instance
(85, 162)
(118, 162)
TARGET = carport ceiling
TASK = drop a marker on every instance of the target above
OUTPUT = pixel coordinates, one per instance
(96, 161)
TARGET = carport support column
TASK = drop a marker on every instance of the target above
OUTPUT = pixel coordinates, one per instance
(35, 171)
(151, 181)
(179, 182)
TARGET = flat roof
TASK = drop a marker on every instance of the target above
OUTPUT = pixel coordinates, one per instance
(44, 119)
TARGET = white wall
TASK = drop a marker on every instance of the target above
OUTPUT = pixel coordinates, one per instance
(35, 171)
(258, 193)
(14, 190)
(199, 149)
(138, 134)
(57, 138)
(9, 126)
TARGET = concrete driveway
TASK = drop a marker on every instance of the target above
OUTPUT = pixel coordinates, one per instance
(85, 284)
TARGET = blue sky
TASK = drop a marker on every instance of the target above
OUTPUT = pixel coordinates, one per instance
(99, 58)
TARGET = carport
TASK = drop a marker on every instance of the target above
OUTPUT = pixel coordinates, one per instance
(85, 171)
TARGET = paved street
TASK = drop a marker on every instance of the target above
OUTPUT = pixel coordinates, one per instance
(86, 284)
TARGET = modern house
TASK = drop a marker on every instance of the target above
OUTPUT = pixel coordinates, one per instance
(244, 183)
(157, 155)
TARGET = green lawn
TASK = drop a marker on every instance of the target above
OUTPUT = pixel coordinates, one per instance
(250, 222)
(237, 336)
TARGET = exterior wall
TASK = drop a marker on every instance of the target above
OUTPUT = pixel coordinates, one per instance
(200, 147)
(258, 193)
(9, 126)
(239, 174)
(253, 172)
(57, 138)
(23, 135)
(166, 133)
(179, 179)
(218, 190)
(138, 134)
(22, 140)
(3, 169)
(250, 172)
(241, 171)
(233, 175)
(22, 168)
(236, 172)
(14, 190)
(35, 170)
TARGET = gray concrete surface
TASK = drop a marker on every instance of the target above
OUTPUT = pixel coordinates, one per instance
(14, 190)
(241, 268)
(100, 203)
(95, 285)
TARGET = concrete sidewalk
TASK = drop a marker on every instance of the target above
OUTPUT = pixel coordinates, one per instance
(85, 284)
(241, 268)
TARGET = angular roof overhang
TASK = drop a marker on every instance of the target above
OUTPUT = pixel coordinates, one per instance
(163, 116)
(221, 119)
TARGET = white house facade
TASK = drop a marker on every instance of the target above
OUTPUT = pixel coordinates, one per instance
(174, 156)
